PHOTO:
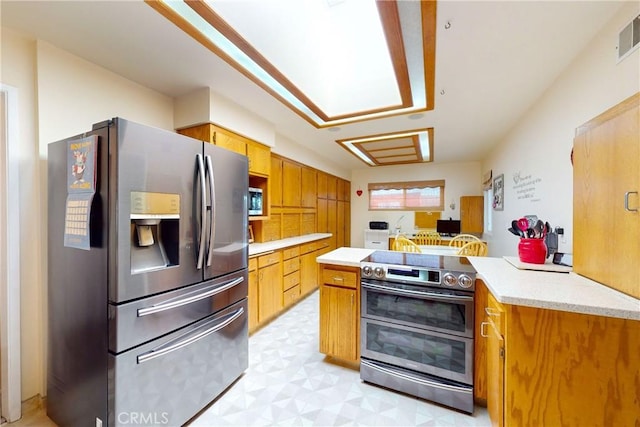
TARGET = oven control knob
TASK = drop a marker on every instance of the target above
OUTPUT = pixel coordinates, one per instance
(465, 281)
(367, 270)
(378, 272)
(449, 279)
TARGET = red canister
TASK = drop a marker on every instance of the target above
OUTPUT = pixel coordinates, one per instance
(533, 251)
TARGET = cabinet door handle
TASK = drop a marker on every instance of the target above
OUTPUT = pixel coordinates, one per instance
(626, 201)
(482, 331)
(338, 279)
(352, 300)
(492, 312)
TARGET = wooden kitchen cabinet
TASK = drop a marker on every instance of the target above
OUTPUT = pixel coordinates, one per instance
(253, 294)
(340, 312)
(291, 184)
(275, 179)
(259, 158)
(495, 348)
(550, 367)
(472, 214)
(606, 199)
(308, 187)
(291, 273)
(269, 285)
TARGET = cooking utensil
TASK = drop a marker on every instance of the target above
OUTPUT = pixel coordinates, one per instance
(523, 224)
(538, 229)
(515, 232)
(515, 227)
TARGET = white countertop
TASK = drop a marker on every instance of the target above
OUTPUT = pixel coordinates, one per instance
(539, 289)
(259, 248)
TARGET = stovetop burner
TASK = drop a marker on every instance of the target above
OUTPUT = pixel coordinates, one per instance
(419, 269)
(438, 262)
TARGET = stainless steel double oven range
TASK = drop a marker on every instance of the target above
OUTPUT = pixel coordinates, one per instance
(417, 325)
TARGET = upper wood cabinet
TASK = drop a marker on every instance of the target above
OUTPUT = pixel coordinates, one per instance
(471, 214)
(308, 187)
(258, 154)
(259, 158)
(606, 199)
(275, 179)
(291, 184)
(322, 185)
(332, 187)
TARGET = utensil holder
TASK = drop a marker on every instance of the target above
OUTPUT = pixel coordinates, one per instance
(533, 251)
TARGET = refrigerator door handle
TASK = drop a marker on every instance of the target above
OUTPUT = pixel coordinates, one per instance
(212, 214)
(171, 347)
(203, 211)
(168, 305)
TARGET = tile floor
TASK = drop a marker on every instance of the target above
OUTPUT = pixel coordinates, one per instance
(289, 383)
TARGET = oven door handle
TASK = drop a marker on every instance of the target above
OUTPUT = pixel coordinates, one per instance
(409, 293)
(416, 380)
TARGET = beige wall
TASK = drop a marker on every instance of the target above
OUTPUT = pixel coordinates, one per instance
(461, 179)
(59, 95)
(540, 145)
(19, 70)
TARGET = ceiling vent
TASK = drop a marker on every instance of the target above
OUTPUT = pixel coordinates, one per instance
(629, 38)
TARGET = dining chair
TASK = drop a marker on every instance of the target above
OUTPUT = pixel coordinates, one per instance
(461, 239)
(403, 244)
(427, 238)
(474, 249)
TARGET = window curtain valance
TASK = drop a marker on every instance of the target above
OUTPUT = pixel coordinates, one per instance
(407, 185)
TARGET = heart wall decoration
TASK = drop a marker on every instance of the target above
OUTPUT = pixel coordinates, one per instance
(359, 193)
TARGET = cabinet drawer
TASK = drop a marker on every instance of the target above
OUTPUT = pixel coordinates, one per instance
(308, 247)
(290, 252)
(269, 259)
(290, 280)
(292, 295)
(253, 264)
(339, 278)
(290, 265)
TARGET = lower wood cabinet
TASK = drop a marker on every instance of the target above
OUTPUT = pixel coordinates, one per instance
(279, 279)
(549, 367)
(269, 285)
(340, 312)
(253, 294)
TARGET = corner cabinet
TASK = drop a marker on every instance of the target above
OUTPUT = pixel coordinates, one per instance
(340, 312)
(606, 198)
(549, 367)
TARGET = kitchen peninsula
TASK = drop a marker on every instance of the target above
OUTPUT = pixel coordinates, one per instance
(551, 348)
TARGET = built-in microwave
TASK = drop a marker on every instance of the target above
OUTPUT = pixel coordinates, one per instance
(255, 201)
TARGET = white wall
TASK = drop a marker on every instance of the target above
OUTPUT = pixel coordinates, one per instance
(540, 145)
(290, 149)
(461, 179)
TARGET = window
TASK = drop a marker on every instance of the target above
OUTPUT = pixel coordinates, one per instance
(407, 196)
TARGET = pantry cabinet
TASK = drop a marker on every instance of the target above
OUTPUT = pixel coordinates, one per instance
(606, 199)
(340, 312)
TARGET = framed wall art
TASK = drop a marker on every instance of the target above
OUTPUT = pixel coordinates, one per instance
(498, 193)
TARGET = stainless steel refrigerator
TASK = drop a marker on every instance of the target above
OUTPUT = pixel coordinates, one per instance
(147, 275)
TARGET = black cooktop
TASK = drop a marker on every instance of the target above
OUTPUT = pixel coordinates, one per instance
(435, 262)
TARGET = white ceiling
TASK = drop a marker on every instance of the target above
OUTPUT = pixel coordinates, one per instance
(493, 62)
